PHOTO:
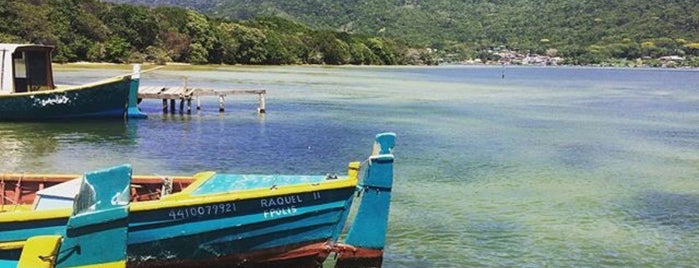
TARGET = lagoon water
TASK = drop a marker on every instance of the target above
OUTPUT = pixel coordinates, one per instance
(548, 167)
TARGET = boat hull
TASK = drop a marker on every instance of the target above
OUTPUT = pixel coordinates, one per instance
(296, 232)
(99, 100)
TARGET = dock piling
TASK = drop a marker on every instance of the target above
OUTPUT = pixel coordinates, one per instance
(220, 103)
(261, 108)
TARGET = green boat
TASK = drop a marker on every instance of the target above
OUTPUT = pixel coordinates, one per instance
(28, 92)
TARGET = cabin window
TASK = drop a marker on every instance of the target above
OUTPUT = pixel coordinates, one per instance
(20, 65)
(31, 70)
(20, 71)
(37, 70)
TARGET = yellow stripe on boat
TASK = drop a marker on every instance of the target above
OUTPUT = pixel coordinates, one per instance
(12, 245)
(33, 215)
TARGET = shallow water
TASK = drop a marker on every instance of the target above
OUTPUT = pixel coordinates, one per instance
(556, 167)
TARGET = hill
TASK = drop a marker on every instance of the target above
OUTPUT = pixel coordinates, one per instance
(587, 31)
(93, 30)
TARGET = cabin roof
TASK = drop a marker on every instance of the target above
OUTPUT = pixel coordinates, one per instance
(6, 66)
(12, 47)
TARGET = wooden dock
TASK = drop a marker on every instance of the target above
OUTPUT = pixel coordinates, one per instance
(186, 94)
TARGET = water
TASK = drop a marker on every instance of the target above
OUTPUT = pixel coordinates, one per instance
(549, 167)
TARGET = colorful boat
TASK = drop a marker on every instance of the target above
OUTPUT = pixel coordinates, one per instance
(224, 220)
(28, 92)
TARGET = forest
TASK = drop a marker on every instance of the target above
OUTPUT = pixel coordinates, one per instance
(91, 30)
(372, 32)
(582, 32)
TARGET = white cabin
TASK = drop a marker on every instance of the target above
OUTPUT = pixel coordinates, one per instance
(25, 68)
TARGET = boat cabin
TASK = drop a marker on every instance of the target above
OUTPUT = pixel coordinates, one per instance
(25, 68)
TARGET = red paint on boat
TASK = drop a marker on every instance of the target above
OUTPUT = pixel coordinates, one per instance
(20, 189)
(353, 257)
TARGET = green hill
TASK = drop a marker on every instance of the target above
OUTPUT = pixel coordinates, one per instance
(93, 30)
(589, 31)
(625, 32)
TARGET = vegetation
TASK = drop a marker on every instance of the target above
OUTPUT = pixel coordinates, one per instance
(583, 32)
(622, 32)
(90, 30)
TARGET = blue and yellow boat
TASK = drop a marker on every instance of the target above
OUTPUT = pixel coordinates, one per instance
(233, 220)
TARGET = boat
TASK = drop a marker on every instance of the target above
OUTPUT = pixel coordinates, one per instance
(212, 219)
(28, 92)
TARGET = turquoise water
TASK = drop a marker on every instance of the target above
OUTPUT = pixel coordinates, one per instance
(548, 167)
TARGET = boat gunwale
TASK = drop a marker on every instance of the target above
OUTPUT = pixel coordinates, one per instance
(256, 193)
(184, 199)
(63, 89)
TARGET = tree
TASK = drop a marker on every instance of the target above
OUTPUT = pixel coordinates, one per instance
(381, 50)
(136, 25)
(198, 54)
(251, 44)
(117, 50)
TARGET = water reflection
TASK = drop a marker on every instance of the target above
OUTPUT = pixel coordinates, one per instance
(31, 142)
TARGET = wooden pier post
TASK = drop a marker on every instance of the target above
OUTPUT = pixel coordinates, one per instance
(181, 105)
(220, 103)
(189, 105)
(262, 108)
(172, 106)
(198, 103)
(164, 106)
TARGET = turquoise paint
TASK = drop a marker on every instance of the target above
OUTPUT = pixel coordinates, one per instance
(8, 263)
(24, 233)
(133, 111)
(343, 219)
(223, 183)
(245, 231)
(368, 229)
(245, 238)
(329, 213)
(97, 231)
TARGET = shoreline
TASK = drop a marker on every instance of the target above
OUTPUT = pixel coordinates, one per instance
(189, 66)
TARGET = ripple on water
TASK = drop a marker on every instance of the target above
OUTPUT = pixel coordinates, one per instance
(666, 209)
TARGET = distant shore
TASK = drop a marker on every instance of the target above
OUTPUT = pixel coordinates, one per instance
(189, 66)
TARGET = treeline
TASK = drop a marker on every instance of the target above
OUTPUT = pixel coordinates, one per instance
(90, 30)
(582, 32)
